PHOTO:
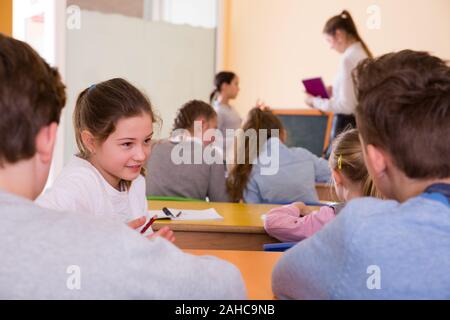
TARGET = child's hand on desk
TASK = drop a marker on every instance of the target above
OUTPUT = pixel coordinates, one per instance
(165, 232)
(303, 208)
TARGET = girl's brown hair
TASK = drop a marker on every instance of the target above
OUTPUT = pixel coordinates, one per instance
(344, 22)
(257, 120)
(347, 157)
(190, 112)
(101, 106)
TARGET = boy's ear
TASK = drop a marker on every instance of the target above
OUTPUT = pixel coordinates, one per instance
(376, 160)
(88, 141)
(45, 142)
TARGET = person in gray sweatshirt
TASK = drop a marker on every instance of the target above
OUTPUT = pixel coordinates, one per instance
(172, 175)
(46, 254)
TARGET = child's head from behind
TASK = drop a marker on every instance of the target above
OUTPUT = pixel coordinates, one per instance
(350, 175)
(195, 113)
(113, 123)
(264, 119)
(403, 116)
(32, 97)
(260, 123)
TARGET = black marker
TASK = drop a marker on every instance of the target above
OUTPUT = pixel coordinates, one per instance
(167, 212)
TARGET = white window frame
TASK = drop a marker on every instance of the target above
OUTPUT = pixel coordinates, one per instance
(54, 52)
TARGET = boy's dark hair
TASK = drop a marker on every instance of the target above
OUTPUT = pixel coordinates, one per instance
(404, 108)
(32, 96)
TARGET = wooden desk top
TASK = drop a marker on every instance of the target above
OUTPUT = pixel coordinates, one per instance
(238, 218)
(256, 268)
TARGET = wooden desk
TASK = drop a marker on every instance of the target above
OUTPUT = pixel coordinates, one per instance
(241, 229)
(326, 192)
(256, 268)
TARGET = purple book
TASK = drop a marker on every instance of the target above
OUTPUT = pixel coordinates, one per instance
(316, 88)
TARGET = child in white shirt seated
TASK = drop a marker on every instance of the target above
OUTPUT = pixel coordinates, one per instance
(113, 123)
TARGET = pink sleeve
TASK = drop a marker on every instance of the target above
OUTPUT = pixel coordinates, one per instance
(285, 224)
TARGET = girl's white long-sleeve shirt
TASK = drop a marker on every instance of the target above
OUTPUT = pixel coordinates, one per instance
(343, 100)
(81, 188)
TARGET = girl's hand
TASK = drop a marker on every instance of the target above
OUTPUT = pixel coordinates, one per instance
(165, 233)
(303, 208)
(330, 91)
(136, 224)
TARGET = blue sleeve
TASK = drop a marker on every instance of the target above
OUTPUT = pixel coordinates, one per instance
(311, 269)
(321, 168)
(322, 172)
(252, 193)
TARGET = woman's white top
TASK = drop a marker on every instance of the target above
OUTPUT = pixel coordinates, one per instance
(343, 100)
(81, 188)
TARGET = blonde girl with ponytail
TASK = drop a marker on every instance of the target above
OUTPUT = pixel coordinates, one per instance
(350, 179)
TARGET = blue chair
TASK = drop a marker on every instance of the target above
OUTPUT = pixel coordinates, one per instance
(278, 247)
(310, 204)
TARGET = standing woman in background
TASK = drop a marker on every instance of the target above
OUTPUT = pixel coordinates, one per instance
(226, 89)
(341, 33)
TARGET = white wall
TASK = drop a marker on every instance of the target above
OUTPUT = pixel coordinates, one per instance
(171, 64)
(273, 44)
(192, 12)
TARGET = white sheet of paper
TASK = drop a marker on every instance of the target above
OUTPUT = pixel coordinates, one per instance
(186, 215)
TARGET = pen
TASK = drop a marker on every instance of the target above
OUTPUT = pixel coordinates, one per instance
(148, 225)
(167, 212)
(179, 214)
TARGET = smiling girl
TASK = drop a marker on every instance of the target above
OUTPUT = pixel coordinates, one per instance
(113, 124)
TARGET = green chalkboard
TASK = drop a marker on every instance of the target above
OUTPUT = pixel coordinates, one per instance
(306, 131)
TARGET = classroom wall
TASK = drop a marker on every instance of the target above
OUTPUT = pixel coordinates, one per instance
(273, 44)
(171, 63)
(130, 8)
(6, 17)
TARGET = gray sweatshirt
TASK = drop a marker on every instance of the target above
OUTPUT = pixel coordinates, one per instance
(188, 180)
(47, 254)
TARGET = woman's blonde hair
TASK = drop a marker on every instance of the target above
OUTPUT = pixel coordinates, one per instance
(347, 157)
